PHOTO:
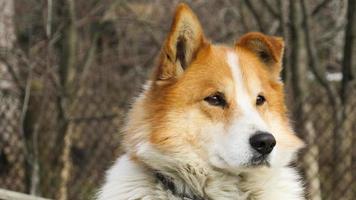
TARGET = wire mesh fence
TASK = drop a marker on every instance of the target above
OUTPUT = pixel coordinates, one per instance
(95, 140)
(59, 130)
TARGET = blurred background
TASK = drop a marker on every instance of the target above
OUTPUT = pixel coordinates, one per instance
(69, 70)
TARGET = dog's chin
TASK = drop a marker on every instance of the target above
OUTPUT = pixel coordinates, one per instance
(259, 161)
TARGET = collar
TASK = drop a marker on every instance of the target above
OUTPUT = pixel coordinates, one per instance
(168, 183)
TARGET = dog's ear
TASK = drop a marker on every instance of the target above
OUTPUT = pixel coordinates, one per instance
(183, 42)
(268, 49)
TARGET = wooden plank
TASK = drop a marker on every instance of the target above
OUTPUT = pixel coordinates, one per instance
(11, 195)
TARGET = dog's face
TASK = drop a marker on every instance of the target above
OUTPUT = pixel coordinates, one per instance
(221, 105)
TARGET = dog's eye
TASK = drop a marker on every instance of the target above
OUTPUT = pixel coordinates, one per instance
(216, 99)
(260, 100)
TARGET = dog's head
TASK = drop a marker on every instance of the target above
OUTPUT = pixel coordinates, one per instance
(223, 106)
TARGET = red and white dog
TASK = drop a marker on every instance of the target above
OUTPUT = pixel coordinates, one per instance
(210, 124)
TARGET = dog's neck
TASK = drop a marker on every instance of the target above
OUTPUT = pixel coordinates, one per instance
(197, 184)
(170, 184)
(189, 176)
(184, 181)
(188, 173)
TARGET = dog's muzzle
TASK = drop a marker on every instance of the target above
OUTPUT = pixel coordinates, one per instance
(263, 144)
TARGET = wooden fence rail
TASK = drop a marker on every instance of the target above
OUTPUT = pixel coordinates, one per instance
(11, 195)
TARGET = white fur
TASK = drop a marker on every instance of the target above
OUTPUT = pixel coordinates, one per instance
(232, 149)
(242, 98)
(127, 180)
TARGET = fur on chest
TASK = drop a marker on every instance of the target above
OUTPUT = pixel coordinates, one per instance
(128, 180)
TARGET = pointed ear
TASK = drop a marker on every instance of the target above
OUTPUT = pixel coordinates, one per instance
(268, 49)
(184, 40)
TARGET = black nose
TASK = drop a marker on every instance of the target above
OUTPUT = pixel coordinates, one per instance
(263, 142)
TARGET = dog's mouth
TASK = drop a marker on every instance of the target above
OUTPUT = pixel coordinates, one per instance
(255, 162)
(260, 160)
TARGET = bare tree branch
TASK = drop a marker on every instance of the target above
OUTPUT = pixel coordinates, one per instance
(256, 16)
(294, 54)
(95, 118)
(348, 49)
(11, 70)
(49, 18)
(331, 33)
(284, 29)
(243, 18)
(320, 6)
(313, 59)
(271, 10)
(68, 72)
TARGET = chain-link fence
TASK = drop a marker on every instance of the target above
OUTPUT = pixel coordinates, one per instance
(59, 128)
(94, 145)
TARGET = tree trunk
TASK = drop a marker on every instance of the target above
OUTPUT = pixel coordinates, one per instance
(342, 136)
(302, 109)
(67, 74)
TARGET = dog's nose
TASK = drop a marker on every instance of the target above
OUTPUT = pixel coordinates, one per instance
(263, 142)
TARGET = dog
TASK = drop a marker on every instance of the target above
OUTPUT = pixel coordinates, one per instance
(210, 124)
